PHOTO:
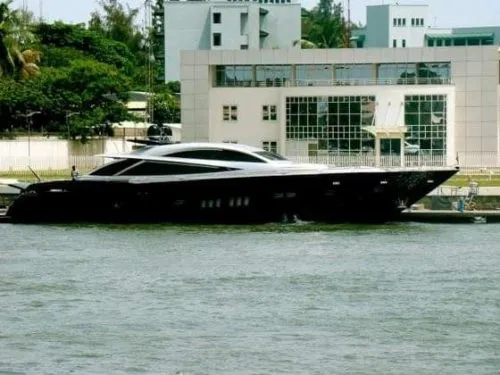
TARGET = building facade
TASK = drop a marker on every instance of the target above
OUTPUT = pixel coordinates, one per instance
(402, 25)
(228, 25)
(318, 102)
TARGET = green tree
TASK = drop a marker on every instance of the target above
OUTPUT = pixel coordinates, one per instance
(119, 23)
(325, 26)
(62, 43)
(166, 108)
(14, 35)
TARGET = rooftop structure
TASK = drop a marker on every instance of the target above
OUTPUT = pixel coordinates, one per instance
(407, 25)
(228, 25)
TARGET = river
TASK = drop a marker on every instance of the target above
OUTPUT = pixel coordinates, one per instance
(276, 299)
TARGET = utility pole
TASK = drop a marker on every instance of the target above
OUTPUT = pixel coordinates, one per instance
(40, 9)
(348, 26)
(149, 79)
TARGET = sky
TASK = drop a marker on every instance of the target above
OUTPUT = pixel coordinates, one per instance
(442, 13)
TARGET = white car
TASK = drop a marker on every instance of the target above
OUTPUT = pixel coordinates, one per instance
(411, 148)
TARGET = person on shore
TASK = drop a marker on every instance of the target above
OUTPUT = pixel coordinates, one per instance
(74, 173)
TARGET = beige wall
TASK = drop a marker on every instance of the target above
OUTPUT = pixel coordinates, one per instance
(473, 97)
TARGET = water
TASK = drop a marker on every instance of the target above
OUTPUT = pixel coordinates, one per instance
(393, 299)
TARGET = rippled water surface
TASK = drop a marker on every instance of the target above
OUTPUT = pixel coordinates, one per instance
(392, 299)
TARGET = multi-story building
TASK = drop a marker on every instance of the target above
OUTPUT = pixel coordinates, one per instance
(444, 100)
(228, 25)
(400, 25)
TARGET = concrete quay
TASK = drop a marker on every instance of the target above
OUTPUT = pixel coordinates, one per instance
(450, 216)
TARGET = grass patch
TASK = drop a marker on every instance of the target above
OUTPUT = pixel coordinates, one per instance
(483, 180)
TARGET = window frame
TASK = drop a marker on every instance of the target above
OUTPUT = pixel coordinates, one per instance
(217, 37)
(230, 112)
(269, 112)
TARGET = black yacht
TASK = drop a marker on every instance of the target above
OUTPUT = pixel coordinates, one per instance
(224, 183)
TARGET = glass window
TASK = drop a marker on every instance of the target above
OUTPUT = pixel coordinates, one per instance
(354, 73)
(403, 43)
(271, 149)
(394, 22)
(230, 113)
(425, 117)
(216, 39)
(269, 113)
(394, 43)
(217, 154)
(115, 167)
(404, 21)
(150, 168)
(314, 75)
(217, 17)
(413, 21)
(333, 123)
(273, 75)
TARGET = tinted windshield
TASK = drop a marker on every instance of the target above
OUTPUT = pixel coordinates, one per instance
(270, 155)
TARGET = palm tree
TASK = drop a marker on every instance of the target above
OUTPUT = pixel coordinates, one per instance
(15, 62)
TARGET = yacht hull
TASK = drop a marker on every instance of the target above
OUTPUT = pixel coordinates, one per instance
(374, 196)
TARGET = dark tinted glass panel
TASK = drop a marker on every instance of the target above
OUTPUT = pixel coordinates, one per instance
(230, 75)
(271, 155)
(336, 122)
(113, 168)
(273, 75)
(161, 169)
(224, 155)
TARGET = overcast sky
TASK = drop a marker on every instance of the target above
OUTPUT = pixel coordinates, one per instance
(442, 13)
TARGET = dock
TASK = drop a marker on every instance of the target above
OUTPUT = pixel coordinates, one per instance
(451, 216)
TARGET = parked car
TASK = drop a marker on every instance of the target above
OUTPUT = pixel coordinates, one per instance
(411, 148)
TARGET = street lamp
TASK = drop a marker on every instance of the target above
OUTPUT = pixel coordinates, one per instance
(28, 116)
(68, 115)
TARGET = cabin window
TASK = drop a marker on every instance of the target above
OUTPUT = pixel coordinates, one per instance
(160, 169)
(114, 167)
(215, 154)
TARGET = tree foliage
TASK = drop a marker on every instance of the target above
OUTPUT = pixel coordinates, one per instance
(15, 60)
(325, 26)
(79, 75)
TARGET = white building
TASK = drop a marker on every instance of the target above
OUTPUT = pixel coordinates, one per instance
(409, 25)
(228, 25)
(314, 102)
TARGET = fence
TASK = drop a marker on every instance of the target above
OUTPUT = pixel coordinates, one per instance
(56, 157)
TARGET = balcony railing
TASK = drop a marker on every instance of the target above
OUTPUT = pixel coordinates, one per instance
(283, 82)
